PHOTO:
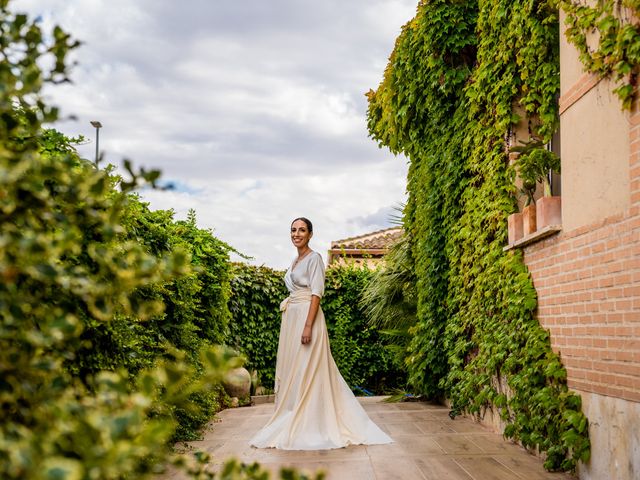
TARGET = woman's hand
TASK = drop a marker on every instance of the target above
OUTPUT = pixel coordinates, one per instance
(306, 335)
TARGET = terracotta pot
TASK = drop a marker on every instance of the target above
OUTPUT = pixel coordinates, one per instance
(529, 219)
(514, 222)
(549, 211)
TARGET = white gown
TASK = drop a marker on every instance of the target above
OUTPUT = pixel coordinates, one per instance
(315, 408)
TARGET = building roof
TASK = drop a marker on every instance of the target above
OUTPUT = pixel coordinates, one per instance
(378, 240)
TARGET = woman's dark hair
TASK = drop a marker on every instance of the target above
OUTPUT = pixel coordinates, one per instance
(306, 221)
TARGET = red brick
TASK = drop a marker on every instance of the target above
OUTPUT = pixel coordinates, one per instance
(614, 317)
(633, 395)
(599, 270)
(613, 391)
(591, 307)
(579, 308)
(576, 373)
(607, 306)
(583, 342)
(634, 120)
(599, 342)
(623, 278)
(578, 385)
(623, 305)
(625, 381)
(632, 316)
(592, 377)
(626, 368)
(614, 293)
(606, 331)
(591, 301)
(615, 343)
(605, 355)
(623, 356)
(624, 331)
(615, 267)
(632, 291)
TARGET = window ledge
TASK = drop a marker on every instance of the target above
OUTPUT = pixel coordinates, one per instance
(534, 237)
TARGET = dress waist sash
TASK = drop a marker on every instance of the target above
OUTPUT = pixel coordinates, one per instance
(298, 296)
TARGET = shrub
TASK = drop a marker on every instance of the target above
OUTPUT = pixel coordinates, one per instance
(356, 345)
(256, 293)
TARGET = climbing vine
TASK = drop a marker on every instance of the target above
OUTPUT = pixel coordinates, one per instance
(460, 77)
(607, 36)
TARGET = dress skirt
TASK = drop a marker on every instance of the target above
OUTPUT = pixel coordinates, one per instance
(314, 408)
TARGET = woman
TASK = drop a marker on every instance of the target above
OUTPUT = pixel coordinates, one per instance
(315, 409)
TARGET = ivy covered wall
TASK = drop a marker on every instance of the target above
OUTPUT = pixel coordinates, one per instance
(457, 76)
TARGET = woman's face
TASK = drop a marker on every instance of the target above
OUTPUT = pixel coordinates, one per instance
(300, 234)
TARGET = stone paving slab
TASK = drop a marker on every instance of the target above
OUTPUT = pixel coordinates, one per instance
(428, 446)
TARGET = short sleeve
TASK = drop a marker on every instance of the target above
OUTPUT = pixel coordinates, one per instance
(316, 275)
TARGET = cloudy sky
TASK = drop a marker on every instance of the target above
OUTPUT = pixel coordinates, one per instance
(254, 109)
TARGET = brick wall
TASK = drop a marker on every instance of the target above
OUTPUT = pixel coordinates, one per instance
(588, 284)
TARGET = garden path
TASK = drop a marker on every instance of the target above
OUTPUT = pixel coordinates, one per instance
(428, 446)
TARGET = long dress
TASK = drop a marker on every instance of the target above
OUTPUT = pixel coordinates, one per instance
(314, 408)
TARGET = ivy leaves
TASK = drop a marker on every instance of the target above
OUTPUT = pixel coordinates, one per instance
(256, 293)
(616, 50)
(357, 347)
(460, 76)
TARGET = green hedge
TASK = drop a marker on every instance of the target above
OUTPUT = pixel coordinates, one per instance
(357, 347)
(256, 293)
(360, 351)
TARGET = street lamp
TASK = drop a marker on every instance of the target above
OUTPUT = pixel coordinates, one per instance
(97, 126)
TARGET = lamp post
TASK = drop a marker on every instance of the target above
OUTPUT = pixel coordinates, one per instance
(97, 126)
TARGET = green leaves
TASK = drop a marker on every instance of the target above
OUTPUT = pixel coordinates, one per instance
(357, 347)
(256, 293)
(533, 165)
(93, 385)
(615, 53)
(61, 468)
(461, 75)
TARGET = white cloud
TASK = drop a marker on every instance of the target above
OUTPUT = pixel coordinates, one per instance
(254, 214)
(255, 108)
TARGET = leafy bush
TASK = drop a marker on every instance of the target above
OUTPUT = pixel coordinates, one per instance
(83, 290)
(194, 303)
(389, 299)
(256, 293)
(357, 346)
(74, 295)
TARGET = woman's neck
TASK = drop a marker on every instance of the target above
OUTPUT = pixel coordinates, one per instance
(302, 251)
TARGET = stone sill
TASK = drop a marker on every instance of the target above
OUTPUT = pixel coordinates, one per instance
(534, 237)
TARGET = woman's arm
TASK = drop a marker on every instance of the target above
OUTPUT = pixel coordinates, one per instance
(316, 283)
(311, 317)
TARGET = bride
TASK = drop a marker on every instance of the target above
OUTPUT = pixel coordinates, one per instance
(314, 408)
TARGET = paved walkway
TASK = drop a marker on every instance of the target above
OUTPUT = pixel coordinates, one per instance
(428, 446)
